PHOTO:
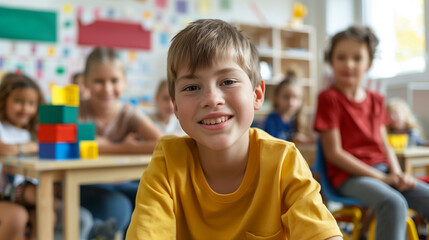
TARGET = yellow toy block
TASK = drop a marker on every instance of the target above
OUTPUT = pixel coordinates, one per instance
(72, 95)
(68, 95)
(88, 149)
(57, 95)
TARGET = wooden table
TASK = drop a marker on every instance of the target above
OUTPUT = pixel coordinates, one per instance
(72, 174)
(414, 161)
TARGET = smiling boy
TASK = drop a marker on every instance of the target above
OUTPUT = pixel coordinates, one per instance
(224, 181)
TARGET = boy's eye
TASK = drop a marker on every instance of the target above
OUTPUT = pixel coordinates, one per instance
(357, 58)
(191, 88)
(228, 82)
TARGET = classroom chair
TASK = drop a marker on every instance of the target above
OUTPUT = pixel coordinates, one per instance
(351, 212)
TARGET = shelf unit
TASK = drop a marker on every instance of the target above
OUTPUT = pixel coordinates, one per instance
(286, 49)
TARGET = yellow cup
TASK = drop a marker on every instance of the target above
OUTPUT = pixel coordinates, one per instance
(398, 141)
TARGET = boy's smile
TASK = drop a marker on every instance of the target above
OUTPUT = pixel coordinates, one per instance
(215, 105)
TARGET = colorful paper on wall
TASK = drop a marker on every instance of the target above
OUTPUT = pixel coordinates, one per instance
(161, 3)
(28, 24)
(114, 34)
(182, 6)
(204, 6)
(225, 4)
(147, 15)
(67, 8)
(163, 39)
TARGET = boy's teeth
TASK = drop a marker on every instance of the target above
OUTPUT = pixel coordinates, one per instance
(214, 121)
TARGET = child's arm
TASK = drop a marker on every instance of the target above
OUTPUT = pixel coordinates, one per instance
(403, 182)
(331, 144)
(130, 145)
(146, 129)
(18, 149)
(153, 216)
(394, 164)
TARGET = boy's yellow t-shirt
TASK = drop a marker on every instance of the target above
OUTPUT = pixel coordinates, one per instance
(277, 199)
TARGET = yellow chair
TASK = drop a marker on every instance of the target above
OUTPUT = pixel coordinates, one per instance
(411, 230)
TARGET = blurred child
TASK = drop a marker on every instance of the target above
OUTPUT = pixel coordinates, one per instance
(286, 121)
(164, 117)
(120, 130)
(78, 79)
(402, 120)
(20, 98)
(352, 122)
(225, 180)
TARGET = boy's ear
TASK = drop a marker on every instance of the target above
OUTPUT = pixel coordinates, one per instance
(174, 106)
(259, 94)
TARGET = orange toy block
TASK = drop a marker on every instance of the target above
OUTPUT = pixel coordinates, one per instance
(88, 149)
(57, 133)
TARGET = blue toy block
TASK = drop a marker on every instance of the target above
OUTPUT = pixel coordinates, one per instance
(58, 114)
(59, 151)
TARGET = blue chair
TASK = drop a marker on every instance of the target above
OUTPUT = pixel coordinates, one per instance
(352, 208)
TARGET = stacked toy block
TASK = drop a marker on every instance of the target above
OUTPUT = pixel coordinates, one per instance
(60, 135)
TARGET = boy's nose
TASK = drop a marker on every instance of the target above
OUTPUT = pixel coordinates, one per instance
(212, 97)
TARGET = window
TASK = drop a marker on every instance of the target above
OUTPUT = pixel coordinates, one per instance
(400, 26)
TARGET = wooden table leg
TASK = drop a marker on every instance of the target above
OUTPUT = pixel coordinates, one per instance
(71, 196)
(409, 167)
(45, 206)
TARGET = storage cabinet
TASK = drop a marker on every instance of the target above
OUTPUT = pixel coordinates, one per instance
(284, 49)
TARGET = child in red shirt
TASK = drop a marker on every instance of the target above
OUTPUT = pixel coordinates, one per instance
(351, 121)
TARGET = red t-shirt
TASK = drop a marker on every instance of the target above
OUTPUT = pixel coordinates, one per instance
(359, 124)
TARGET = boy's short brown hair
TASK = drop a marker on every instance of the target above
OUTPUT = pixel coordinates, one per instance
(206, 40)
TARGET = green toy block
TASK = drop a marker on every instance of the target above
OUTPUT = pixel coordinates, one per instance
(85, 131)
(58, 114)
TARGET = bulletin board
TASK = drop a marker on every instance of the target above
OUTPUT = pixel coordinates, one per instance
(50, 39)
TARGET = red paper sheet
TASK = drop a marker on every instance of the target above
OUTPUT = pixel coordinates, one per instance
(114, 34)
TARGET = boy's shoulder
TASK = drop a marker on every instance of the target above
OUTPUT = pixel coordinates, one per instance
(273, 152)
(265, 140)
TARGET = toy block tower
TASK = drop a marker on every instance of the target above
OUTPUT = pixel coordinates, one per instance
(60, 135)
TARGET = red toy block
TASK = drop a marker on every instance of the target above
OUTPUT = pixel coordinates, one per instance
(55, 133)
